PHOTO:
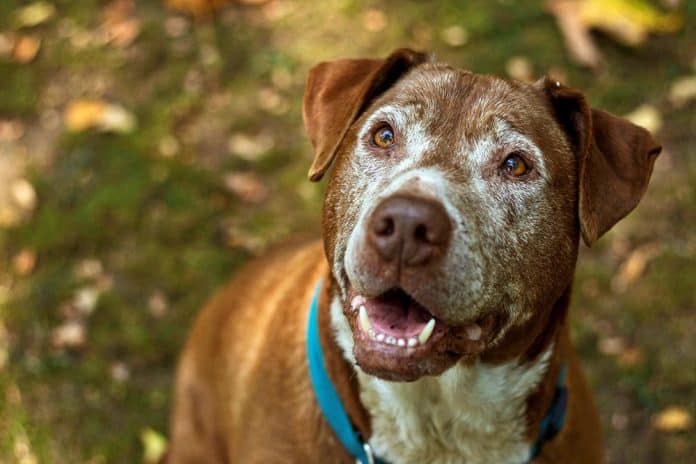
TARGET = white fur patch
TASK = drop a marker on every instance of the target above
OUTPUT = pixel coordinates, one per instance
(473, 414)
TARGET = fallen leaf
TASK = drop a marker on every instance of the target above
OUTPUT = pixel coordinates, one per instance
(682, 91)
(374, 20)
(634, 266)
(631, 357)
(119, 372)
(247, 185)
(154, 445)
(89, 268)
(176, 26)
(86, 113)
(24, 262)
(611, 346)
(120, 24)
(34, 14)
(454, 36)
(673, 419)
(520, 68)
(196, 7)
(647, 116)
(23, 194)
(168, 146)
(85, 299)
(627, 21)
(71, 334)
(26, 47)
(157, 304)
(248, 147)
(11, 130)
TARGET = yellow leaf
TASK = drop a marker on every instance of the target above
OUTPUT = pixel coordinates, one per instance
(628, 21)
(673, 419)
(34, 14)
(154, 445)
(86, 113)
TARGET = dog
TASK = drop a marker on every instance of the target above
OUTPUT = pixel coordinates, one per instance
(430, 325)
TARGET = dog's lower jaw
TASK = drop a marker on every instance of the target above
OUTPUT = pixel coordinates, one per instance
(470, 412)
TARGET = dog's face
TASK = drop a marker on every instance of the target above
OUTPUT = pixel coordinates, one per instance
(451, 215)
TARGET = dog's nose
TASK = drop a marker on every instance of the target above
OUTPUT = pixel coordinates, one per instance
(411, 229)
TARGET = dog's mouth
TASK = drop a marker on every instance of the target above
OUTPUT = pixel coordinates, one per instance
(397, 338)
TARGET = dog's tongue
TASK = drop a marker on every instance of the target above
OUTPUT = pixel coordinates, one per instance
(395, 313)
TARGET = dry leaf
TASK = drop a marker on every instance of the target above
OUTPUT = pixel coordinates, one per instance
(157, 304)
(454, 36)
(69, 335)
(86, 113)
(520, 68)
(247, 185)
(120, 25)
(85, 299)
(627, 21)
(374, 20)
(11, 130)
(631, 357)
(34, 14)
(611, 346)
(154, 445)
(673, 419)
(26, 47)
(24, 262)
(176, 26)
(119, 372)
(634, 266)
(647, 116)
(23, 194)
(196, 7)
(250, 148)
(682, 91)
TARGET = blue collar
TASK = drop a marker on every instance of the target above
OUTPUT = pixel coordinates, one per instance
(337, 417)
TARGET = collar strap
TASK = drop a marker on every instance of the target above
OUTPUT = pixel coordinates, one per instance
(337, 417)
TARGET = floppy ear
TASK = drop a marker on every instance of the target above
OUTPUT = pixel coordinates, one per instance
(337, 92)
(615, 159)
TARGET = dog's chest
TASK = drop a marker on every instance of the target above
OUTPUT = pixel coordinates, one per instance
(469, 414)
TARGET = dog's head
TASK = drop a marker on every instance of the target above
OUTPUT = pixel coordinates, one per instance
(457, 201)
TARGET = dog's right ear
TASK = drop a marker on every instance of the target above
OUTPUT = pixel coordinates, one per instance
(337, 92)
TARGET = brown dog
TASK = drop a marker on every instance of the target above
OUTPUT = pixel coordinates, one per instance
(451, 227)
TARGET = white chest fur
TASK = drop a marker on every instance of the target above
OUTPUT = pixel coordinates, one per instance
(470, 414)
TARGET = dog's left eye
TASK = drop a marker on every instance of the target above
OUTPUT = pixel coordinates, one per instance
(514, 165)
(384, 137)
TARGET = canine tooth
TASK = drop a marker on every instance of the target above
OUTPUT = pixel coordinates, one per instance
(391, 340)
(364, 320)
(401, 342)
(357, 301)
(427, 331)
(380, 337)
(412, 341)
(473, 331)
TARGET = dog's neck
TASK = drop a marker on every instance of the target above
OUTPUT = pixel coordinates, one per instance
(483, 411)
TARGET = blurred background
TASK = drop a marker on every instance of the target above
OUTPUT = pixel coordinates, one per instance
(147, 150)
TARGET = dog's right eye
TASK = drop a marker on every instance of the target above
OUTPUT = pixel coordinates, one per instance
(384, 136)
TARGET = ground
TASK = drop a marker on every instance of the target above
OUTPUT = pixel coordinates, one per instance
(111, 240)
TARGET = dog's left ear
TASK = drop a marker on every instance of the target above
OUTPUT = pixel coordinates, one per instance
(615, 159)
(337, 92)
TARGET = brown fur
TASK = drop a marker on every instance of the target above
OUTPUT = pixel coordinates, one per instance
(243, 392)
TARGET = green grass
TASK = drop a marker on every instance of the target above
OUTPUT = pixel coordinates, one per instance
(168, 226)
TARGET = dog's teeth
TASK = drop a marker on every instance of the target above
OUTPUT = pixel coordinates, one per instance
(365, 324)
(412, 341)
(357, 301)
(391, 340)
(427, 331)
(473, 331)
(380, 337)
(401, 342)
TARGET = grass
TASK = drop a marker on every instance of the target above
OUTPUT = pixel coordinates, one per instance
(165, 230)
